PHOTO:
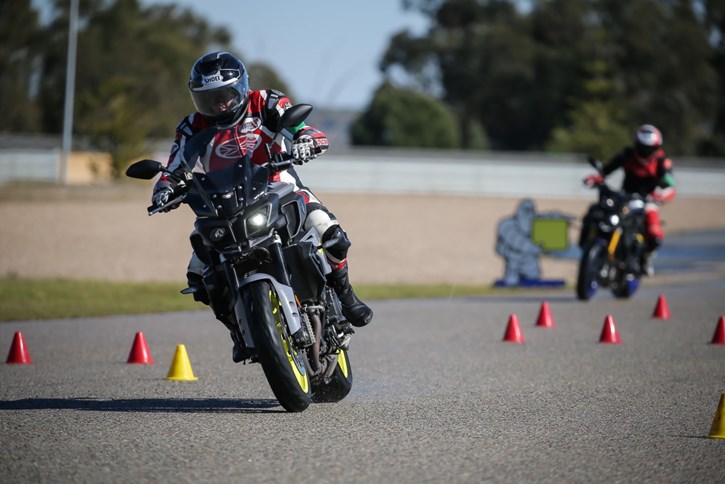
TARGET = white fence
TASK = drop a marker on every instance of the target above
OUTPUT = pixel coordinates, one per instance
(35, 165)
(489, 175)
(424, 172)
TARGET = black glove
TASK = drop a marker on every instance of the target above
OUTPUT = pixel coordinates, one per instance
(304, 149)
(162, 196)
(177, 186)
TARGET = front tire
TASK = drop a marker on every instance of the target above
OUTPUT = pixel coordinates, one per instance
(339, 384)
(626, 286)
(589, 266)
(283, 365)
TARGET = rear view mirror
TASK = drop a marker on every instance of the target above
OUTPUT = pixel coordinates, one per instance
(144, 169)
(294, 116)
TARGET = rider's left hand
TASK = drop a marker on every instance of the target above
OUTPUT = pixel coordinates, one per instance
(592, 180)
(656, 198)
(303, 149)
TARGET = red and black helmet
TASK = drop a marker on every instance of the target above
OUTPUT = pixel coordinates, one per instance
(647, 140)
(219, 86)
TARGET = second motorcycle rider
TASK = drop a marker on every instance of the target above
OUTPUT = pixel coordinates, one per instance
(219, 86)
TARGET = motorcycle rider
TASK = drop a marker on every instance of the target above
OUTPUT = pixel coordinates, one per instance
(647, 172)
(219, 87)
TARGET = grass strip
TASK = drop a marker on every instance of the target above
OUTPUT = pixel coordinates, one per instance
(31, 299)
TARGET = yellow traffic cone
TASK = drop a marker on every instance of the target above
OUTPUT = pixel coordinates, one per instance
(717, 431)
(181, 367)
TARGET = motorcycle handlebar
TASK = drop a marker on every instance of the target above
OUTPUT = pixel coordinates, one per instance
(279, 162)
(283, 161)
(154, 209)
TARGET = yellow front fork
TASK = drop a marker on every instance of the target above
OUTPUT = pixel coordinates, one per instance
(613, 242)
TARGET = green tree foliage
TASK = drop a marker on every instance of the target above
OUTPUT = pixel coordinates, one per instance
(19, 37)
(598, 125)
(133, 64)
(132, 68)
(524, 73)
(404, 118)
(261, 76)
(666, 67)
(714, 19)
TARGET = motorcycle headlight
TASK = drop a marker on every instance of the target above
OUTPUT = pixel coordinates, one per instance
(614, 219)
(257, 221)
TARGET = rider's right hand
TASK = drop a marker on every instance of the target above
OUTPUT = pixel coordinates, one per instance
(592, 180)
(161, 197)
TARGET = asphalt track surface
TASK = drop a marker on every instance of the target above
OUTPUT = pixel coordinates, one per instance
(438, 397)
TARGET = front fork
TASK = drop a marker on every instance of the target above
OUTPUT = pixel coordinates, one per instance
(278, 277)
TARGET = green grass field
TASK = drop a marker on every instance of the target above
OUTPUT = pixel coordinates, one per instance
(30, 299)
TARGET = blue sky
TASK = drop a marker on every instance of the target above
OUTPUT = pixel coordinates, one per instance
(327, 51)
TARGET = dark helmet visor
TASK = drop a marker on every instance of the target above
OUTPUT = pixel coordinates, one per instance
(219, 104)
(645, 151)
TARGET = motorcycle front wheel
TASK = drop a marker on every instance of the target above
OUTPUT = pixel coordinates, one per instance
(589, 266)
(283, 365)
(339, 384)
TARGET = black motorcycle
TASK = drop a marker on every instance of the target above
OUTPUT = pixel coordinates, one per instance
(612, 243)
(265, 276)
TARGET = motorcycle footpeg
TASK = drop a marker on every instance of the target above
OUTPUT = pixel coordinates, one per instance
(340, 338)
(344, 327)
(344, 343)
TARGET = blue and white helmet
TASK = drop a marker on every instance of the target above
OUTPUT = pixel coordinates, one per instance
(219, 86)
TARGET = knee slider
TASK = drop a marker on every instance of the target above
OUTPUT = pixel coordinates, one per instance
(339, 249)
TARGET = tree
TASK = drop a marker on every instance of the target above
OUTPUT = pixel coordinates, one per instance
(132, 69)
(666, 69)
(404, 118)
(714, 20)
(262, 76)
(596, 126)
(491, 68)
(19, 57)
(523, 72)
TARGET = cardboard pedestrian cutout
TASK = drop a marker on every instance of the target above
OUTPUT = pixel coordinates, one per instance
(522, 238)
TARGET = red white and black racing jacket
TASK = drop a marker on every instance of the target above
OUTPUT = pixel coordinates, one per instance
(249, 135)
(645, 178)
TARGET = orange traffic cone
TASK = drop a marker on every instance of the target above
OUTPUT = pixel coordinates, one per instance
(545, 320)
(19, 354)
(719, 337)
(609, 332)
(140, 353)
(662, 311)
(513, 331)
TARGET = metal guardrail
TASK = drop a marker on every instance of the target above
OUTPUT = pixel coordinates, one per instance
(425, 172)
(486, 176)
(35, 165)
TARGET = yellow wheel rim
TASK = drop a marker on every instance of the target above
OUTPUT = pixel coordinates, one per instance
(342, 362)
(292, 357)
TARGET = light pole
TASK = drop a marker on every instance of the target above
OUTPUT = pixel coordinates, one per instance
(70, 80)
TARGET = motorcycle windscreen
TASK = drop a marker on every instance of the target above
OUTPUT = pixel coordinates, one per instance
(240, 181)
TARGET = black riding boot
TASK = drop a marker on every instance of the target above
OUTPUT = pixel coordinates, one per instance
(356, 311)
